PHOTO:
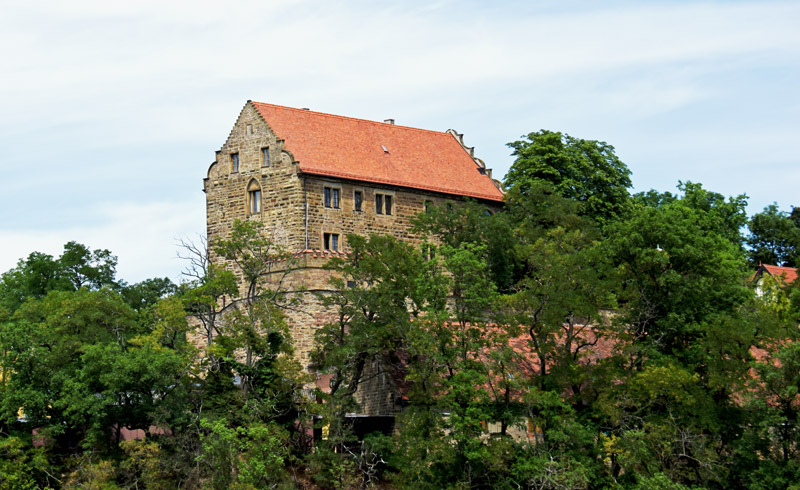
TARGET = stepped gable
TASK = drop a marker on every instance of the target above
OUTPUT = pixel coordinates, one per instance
(379, 152)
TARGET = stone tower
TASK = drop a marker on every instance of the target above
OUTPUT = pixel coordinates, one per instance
(312, 178)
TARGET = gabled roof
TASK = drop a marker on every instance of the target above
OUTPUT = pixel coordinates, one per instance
(384, 153)
(789, 273)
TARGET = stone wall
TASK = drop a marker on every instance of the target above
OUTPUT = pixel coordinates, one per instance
(282, 203)
(406, 203)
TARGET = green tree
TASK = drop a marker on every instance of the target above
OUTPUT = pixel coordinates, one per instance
(252, 456)
(471, 222)
(88, 268)
(767, 455)
(39, 273)
(586, 171)
(683, 342)
(147, 293)
(682, 263)
(23, 467)
(774, 238)
(376, 297)
(80, 367)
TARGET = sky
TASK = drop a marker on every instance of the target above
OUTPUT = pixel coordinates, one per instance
(110, 112)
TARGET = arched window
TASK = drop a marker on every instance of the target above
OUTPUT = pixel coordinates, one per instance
(253, 197)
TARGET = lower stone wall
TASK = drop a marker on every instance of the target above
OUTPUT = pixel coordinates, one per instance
(305, 313)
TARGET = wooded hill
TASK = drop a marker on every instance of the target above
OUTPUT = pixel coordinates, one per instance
(620, 334)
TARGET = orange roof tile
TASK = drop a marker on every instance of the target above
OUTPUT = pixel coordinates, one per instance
(369, 151)
(789, 273)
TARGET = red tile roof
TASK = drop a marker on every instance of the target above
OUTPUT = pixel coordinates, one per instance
(789, 273)
(369, 151)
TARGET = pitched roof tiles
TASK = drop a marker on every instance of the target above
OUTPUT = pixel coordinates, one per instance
(789, 273)
(384, 153)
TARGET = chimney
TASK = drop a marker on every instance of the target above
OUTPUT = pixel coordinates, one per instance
(389, 121)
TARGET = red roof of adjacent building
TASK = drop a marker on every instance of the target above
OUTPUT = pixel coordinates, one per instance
(384, 153)
(789, 273)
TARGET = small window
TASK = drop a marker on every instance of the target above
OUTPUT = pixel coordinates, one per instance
(330, 241)
(383, 204)
(253, 197)
(428, 206)
(265, 157)
(234, 162)
(331, 197)
(358, 198)
(255, 202)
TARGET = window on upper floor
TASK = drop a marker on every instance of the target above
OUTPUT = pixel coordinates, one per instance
(358, 199)
(253, 197)
(331, 197)
(330, 241)
(428, 206)
(234, 162)
(265, 157)
(383, 203)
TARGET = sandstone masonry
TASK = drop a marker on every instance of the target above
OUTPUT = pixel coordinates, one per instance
(309, 203)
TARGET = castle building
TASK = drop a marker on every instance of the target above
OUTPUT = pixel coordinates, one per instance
(312, 178)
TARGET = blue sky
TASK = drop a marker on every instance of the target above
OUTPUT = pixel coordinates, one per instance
(110, 112)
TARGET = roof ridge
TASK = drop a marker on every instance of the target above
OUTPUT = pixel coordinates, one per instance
(338, 116)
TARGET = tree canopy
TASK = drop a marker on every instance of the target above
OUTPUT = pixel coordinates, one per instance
(774, 237)
(586, 171)
(576, 338)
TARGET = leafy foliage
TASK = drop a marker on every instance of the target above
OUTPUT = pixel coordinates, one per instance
(578, 338)
(774, 237)
(585, 171)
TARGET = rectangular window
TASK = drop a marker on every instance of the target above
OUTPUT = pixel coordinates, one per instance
(383, 204)
(358, 197)
(428, 206)
(234, 162)
(331, 197)
(265, 157)
(330, 241)
(255, 201)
